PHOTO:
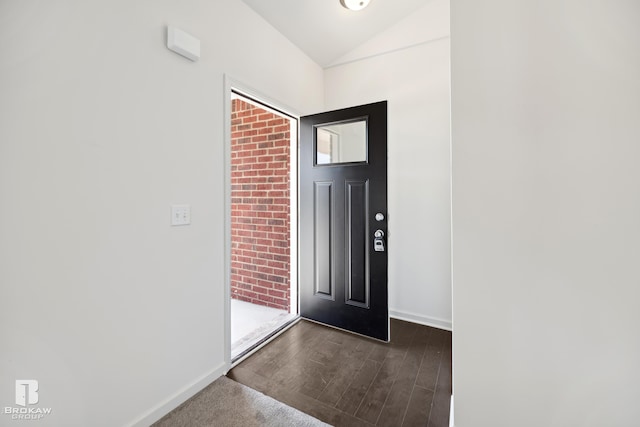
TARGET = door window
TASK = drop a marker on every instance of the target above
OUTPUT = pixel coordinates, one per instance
(341, 142)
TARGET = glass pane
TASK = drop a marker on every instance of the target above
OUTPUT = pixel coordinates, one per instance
(341, 143)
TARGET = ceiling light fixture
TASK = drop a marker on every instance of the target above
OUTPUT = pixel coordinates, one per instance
(354, 4)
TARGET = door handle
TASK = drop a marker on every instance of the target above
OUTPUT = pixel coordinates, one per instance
(378, 241)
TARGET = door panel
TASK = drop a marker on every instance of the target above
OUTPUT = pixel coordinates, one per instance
(323, 262)
(343, 184)
(357, 204)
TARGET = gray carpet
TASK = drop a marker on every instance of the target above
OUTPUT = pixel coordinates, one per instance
(226, 403)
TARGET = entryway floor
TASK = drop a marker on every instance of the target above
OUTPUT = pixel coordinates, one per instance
(250, 323)
(348, 380)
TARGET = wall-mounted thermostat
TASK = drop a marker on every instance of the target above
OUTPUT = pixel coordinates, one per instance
(183, 43)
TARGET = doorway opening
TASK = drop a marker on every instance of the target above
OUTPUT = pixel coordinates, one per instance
(264, 288)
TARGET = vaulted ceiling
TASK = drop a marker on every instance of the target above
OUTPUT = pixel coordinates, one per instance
(325, 30)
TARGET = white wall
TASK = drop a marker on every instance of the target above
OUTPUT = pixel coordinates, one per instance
(101, 130)
(408, 65)
(546, 212)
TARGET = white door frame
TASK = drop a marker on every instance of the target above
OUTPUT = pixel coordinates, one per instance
(231, 84)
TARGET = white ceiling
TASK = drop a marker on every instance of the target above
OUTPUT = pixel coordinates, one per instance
(325, 30)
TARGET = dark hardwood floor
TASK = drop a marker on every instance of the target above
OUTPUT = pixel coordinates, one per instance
(347, 380)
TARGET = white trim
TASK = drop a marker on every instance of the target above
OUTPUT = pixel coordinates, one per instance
(231, 85)
(423, 320)
(172, 402)
(226, 170)
(245, 90)
(451, 422)
(294, 232)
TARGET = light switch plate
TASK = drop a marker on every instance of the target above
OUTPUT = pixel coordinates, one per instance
(180, 214)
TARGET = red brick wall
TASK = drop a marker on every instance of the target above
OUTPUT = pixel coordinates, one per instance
(260, 214)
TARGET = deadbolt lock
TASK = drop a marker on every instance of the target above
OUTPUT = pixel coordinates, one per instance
(378, 241)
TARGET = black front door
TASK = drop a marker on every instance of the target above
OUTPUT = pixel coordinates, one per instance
(343, 219)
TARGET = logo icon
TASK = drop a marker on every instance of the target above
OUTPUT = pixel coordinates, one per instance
(26, 392)
(26, 397)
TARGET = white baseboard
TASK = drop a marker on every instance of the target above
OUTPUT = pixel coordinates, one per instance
(423, 320)
(163, 408)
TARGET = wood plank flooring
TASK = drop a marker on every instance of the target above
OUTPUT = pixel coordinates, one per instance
(347, 380)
